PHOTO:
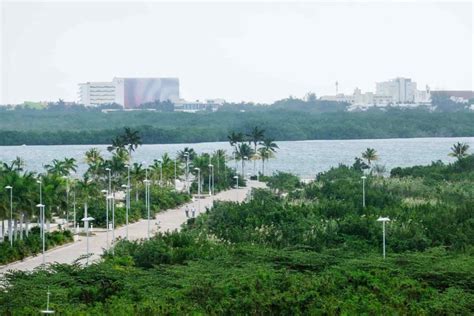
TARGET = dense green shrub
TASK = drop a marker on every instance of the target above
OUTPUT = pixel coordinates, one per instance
(315, 250)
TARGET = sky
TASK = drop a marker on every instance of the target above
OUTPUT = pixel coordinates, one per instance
(238, 51)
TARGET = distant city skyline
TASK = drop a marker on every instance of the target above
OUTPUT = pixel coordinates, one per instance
(258, 52)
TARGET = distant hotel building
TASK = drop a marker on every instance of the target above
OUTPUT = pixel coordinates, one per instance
(400, 90)
(129, 92)
(395, 91)
(196, 106)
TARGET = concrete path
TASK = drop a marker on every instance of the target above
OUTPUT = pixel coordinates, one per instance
(166, 221)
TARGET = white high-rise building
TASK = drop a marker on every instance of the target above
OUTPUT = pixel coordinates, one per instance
(401, 90)
(97, 93)
(129, 92)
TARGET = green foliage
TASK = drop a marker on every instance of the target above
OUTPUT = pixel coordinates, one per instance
(283, 182)
(316, 250)
(285, 122)
(438, 171)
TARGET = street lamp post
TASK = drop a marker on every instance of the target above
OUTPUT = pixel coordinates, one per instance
(67, 201)
(213, 183)
(47, 310)
(237, 191)
(383, 220)
(363, 190)
(147, 199)
(41, 202)
(199, 189)
(211, 179)
(186, 154)
(235, 161)
(147, 203)
(112, 204)
(86, 221)
(41, 209)
(127, 199)
(74, 208)
(105, 192)
(126, 209)
(243, 165)
(10, 228)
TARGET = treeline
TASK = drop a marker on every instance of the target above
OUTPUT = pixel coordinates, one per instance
(33, 127)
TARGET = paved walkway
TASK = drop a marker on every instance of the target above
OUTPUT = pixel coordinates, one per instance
(165, 221)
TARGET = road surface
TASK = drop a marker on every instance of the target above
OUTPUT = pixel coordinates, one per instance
(166, 221)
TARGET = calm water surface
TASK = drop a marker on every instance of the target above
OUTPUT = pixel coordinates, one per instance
(304, 158)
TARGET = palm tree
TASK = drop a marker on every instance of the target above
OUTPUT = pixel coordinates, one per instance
(370, 155)
(235, 138)
(201, 162)
(255, 137)
(156, 170)
(264, 154)
(137, 175)
(70, 165)
(459, 150)
(243, 151)
(267, 151)
(117, 165)
(18, 163)
(117, 142)
(182, 154)
(62, 167)
(131, 138)
(219, 158)
(93, 156)
(95, 161)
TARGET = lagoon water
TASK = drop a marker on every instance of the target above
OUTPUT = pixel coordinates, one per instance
(304, 158)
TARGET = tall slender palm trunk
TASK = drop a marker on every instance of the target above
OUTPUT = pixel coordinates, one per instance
(255, 161)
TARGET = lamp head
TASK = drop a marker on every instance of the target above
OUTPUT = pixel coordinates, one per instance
(383, 219)
(363, 177)
(8, 187)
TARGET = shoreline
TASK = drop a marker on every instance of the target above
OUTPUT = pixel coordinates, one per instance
(226, 142)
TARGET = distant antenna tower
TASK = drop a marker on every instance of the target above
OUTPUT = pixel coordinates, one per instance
(337, 88)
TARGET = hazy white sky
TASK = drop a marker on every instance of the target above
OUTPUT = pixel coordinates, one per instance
(237, 51)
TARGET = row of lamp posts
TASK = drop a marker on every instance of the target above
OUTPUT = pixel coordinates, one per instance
(110, 204)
